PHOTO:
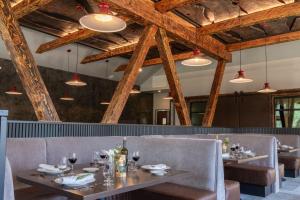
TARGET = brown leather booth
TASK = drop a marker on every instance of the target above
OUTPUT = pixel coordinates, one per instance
(254, 180)
(171, 191)
(291, 165)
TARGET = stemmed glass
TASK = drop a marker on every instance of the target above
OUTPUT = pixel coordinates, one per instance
(135, 158)
(96, 157)
(107, 174)
(72, 160)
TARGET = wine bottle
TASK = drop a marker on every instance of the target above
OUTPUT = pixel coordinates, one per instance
(122, 160)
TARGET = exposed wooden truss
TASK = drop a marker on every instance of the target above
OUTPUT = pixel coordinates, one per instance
(156, 61)
(214, 94)
(286, 10)
(25, 65)
(172, 77)
(287, 37)
(167, 5)
(126, 84)
(25, 7)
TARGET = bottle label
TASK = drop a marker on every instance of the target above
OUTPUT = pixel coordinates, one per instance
(121, 167)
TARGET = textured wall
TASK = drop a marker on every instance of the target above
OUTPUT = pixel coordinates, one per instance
(85, 108)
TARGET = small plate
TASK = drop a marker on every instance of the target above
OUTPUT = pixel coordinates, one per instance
(154, 167)
(91, 169)
(158, 172)
(53, 172)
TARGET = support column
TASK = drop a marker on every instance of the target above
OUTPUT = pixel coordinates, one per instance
(25, 65)
(214, 94)
(126, 84)
(165, 52)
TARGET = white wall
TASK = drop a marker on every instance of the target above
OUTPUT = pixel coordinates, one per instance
(284, 72)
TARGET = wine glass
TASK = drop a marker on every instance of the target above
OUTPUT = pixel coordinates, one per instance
(72, 160)
(107, 174)
(135, 158)
(96, 157)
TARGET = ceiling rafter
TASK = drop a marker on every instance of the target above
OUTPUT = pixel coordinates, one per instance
(282, 11)
(25, 7)
(167, 5)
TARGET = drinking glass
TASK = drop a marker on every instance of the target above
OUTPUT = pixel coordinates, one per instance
(135, 158)
(96, 158)
(72, 161)
(107, 174)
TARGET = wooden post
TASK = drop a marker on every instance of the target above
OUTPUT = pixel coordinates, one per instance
(214, 94)
(126, 84)
(25, 65)
(172, 77)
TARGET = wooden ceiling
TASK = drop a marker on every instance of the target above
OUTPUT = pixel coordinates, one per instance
(60, 18)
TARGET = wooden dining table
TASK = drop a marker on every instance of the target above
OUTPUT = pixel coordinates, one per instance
(243, 160)
(135, 180)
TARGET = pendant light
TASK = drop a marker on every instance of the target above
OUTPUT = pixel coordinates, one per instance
(106, 75)
(13, 91)
(267, 88)
(135, 91)
(75, 81)
(168, 97)
(105, 21)
(240, 76)
(197, 60)
(66, 97)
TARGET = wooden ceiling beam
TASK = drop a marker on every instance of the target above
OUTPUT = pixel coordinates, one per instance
(167, 5)
(25, 7)
(156, 61)
(286, 37)
(25, 65)
(214, 95)
(127, 82)
(172, 77)
(292, 9)
(176, 27)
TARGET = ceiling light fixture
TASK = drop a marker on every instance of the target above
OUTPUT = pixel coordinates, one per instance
(267, 88)
(13, 91)
(75, 80)
(66, 97)
(240, 76)
(169, 97)
(197, 60)
(104, 103)
(104, 21)
(135, 91)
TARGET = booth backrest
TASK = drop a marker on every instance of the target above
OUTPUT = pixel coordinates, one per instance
(8, 183)
(202, 158)
(291, 140)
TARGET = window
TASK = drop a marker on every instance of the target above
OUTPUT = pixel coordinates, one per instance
(197, 110)
(287, 112)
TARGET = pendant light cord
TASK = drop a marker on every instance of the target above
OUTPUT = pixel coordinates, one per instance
(266, 56)
(239, 6)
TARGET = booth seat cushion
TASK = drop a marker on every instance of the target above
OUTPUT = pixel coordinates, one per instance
(290, 162)
(281, 170)
(232, 190)
(171, 191)
(257, 175)
(25, 154)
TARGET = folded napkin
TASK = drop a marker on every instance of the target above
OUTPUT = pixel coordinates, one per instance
(78, 179)
(160, 166)
(51, 168)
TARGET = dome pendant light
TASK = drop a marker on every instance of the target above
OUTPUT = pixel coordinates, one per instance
(197, 60)
(267, 88)
(169, 97)
(135, 91)
(75, 81)
(240, 76)
(13, 91)
(105, 21)
(66, 97)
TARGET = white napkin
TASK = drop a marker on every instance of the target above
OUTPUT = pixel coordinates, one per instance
(78, 179)
(160, 166)
(51, 168)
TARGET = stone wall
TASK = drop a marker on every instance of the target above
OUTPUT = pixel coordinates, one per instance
(85, 108)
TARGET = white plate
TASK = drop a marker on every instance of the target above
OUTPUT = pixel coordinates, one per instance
(53, 172)
(91, 169)
(59, 181)
(154, 167)
(158, 172)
